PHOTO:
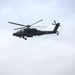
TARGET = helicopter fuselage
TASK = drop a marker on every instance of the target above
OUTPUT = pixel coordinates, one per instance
(31, 32)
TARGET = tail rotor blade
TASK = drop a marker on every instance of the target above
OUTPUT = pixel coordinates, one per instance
(54, 21)
(53, 24)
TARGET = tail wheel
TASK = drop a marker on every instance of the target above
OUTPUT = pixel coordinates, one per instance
(57, 33)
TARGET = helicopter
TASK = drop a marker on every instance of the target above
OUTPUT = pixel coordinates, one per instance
(27, 31)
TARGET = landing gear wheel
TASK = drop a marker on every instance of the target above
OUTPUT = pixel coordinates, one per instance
(25, 38)
(19, 36)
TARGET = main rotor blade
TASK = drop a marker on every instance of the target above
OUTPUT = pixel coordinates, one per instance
(19, 28)
(40, 26)
(17, 24)
(37, 22)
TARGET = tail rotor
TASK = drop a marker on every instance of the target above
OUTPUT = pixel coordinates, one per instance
(56, 27)
(54, 23)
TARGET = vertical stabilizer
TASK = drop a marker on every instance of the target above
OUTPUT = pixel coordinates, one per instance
(56, 27)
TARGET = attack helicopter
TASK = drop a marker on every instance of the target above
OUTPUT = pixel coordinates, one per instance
(27, 31)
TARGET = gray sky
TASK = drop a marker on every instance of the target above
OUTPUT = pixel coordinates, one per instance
(41, 55)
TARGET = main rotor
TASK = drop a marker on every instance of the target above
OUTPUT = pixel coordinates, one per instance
(24, 26)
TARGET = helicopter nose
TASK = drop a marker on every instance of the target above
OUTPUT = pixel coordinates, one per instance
(14, 34)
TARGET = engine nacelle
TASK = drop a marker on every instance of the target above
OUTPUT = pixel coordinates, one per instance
(29, 36)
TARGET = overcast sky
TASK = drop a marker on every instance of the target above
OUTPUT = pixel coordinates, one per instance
(41, 55)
